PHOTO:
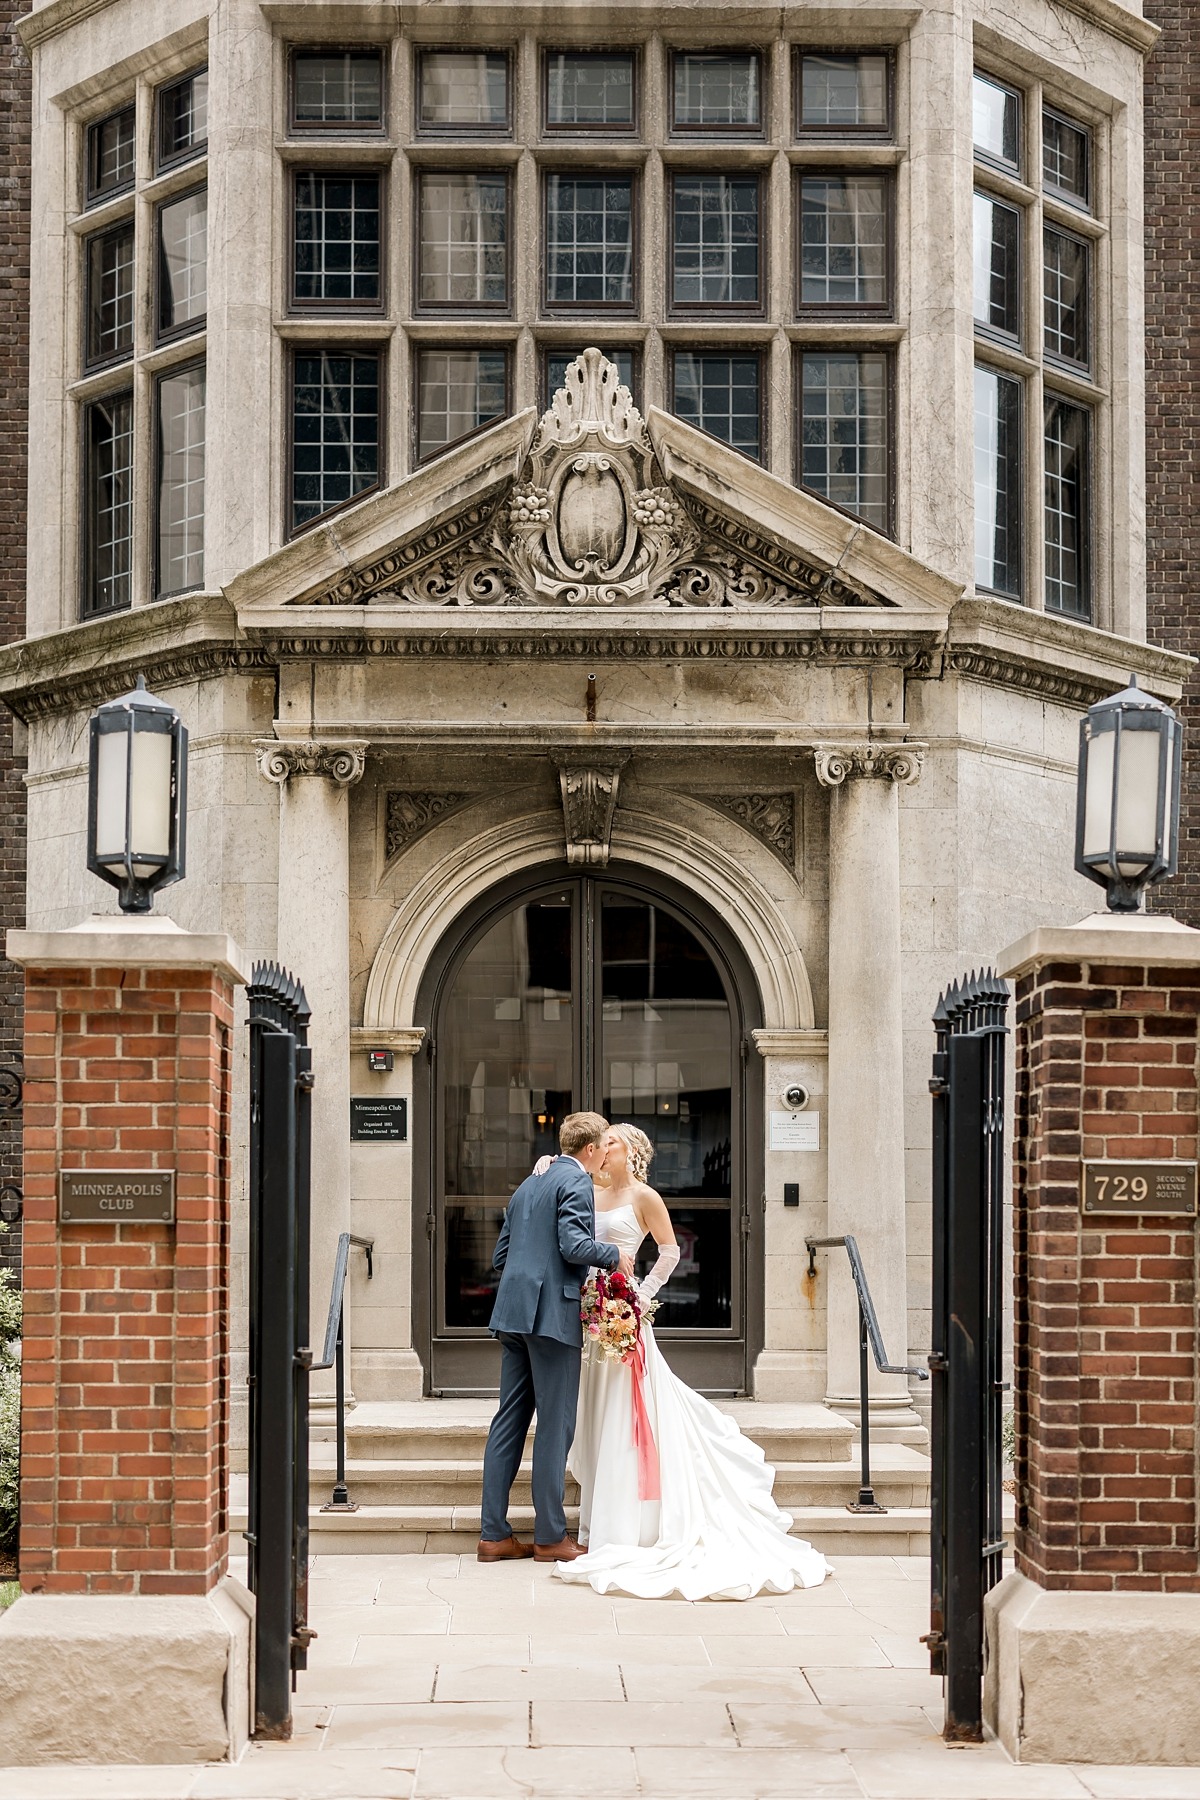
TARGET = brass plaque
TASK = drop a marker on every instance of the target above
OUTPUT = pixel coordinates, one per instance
(1140, 1187)
(116, 1196)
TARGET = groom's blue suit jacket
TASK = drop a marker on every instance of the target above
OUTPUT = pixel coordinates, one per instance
(545, 1246)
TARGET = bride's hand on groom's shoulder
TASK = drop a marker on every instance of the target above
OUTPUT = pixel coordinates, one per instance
(542, 1164)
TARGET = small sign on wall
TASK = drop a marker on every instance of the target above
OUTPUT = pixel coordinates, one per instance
(375, 1120)
(1139, 1187)
(795, 1131)
(116, 1196)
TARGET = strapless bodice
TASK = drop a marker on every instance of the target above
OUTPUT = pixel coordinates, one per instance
(619, 1226)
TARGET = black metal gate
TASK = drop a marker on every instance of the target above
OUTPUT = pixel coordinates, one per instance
(966, 1527)
(277, 1522)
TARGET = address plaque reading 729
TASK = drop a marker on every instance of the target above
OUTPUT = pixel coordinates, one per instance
(1139, 1187)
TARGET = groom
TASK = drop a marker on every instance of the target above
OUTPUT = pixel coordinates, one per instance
(546, 1243)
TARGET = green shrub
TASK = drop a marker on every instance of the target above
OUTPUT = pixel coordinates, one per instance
(9, 1591)
(10, 1410)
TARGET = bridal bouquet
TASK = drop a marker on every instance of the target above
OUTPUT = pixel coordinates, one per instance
(612, 1311)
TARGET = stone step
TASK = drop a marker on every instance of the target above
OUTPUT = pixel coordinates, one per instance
(456, 1430)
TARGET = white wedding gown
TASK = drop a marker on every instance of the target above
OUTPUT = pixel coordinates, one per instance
(716, 1533)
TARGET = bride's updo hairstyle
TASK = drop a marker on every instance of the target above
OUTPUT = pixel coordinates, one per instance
(639, 1150)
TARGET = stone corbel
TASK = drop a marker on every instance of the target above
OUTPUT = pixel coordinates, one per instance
(281, 758)
(900, 763)
(589, 798)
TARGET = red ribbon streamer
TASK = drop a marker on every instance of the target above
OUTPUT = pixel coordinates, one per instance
(649, 1473)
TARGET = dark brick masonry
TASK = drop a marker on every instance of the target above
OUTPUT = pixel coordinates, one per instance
(14, 353)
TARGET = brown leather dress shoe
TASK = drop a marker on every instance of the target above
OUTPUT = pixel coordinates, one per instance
(509, 1549)
(566, 1550)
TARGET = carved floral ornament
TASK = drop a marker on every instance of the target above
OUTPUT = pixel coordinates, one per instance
(591, 522)
(900, 763)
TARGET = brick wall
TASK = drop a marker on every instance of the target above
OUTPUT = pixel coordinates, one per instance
(125, 1380)
(1105, 1339)
(1173, 388)
(14, 348)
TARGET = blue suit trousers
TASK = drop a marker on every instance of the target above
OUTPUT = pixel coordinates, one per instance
(536, 1373)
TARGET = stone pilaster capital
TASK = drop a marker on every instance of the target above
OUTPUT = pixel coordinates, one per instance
(281, 758)
(898, 763)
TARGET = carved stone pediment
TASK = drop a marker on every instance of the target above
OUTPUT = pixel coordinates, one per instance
(591, 522)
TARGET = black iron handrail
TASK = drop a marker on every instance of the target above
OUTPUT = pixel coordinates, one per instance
(868, 1332)
(334, 1357)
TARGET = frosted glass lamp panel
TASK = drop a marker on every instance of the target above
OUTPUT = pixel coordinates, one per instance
(1137, 801)
(112, 766)
(1097, 803)
(150, 799)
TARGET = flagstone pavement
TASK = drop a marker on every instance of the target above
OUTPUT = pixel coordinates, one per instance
(436, 1679)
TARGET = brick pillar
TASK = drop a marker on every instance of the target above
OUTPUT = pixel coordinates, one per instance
(125, 1402)
(1107, 1543)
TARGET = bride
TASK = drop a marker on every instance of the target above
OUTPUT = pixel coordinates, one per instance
(689, 1512)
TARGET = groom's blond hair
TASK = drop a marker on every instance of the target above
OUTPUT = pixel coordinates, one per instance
(580, 1129)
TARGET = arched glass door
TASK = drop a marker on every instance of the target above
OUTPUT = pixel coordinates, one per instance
(587, 993)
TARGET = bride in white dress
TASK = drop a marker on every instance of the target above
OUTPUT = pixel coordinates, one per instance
(713, 1532)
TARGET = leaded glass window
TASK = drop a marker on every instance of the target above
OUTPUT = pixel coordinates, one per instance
(997, 276)
(108, 480)
(1066, 508)
(1065, 295)
(844, 431)
(843, 241)
(110, 285)
(111, 154)
(462, 90)
(589, 240)
(336, 439)
(1066, 157)
(997, 482)
(715, 241)
(337, 90)
(182, 119)
(463, 241)
(336, 240)
(179, 562)
(590, 90)
(458, 391)
(843, 93)
(996, 122)
(721, 393)
(716, 91)
(182, 263)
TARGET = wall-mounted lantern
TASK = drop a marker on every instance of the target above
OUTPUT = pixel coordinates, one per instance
(137, 797)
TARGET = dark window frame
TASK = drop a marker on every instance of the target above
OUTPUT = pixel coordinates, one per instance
(1051, 397)
(163, 162)
(1081, 203)
(723, 309)
(355, 128)
(169, 334)
(862, 309)
(422, 130)
(546, 351)
(996, 334)
(632, 129)
(1014, 170)
(505, 348)
(1054, 359)
(380, 354)
(87, 512)
(865, 134)
(94, 363)
(329, 308)
(93, 193)
(572, 308)
(468, 309)
(161, 375)
(887, 351)
(716, 132)
(758, 351)
(1017, 595)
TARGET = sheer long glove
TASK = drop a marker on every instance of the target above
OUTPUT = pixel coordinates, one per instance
(660, 1274)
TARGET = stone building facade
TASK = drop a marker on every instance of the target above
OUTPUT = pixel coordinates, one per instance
(631, 525)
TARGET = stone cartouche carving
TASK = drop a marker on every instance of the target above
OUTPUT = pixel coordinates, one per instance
(279, 760)
(589, 797)
(771, 817)
(900, 763)
(409, 814)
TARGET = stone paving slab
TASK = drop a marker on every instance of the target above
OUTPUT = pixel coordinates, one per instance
(439, 1679)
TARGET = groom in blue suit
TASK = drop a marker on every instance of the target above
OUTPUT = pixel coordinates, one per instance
(545, 1247)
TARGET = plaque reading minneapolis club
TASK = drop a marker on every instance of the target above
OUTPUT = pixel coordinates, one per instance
(116, 1196)
(373, 1119)
(1140, 1187)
